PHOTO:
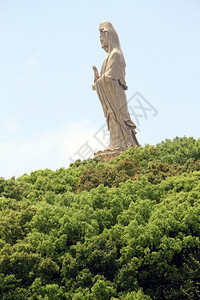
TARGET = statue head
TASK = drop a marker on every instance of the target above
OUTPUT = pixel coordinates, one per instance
(108, 37)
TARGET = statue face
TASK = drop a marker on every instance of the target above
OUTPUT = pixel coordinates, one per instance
(104, 39)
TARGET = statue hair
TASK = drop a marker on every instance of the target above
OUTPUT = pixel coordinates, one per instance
(114, 42)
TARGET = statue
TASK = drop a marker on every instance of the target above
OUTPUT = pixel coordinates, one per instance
(110, 86)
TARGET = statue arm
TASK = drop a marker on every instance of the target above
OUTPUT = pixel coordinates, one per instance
(113, 66)
(115, 69)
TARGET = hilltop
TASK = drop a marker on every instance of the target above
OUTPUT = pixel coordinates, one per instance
(127, 229)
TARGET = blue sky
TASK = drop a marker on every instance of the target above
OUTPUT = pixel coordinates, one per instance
(48, 110)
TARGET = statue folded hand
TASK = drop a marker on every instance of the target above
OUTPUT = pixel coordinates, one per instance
(96, 73)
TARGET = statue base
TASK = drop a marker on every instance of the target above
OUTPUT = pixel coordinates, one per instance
(107, 154)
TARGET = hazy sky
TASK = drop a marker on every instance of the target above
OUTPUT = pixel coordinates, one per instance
(47, 50)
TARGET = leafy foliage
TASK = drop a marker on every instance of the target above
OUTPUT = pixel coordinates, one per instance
(128, 229)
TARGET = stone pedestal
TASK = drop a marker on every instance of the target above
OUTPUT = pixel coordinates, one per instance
(107, 154)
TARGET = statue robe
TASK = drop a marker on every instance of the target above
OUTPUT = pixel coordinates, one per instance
(110, 89)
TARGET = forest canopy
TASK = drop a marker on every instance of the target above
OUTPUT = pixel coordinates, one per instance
(127, 229)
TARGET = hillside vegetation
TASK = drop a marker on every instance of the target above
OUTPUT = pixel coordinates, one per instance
(127, 229)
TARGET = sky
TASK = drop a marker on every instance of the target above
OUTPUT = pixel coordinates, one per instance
(49, 115)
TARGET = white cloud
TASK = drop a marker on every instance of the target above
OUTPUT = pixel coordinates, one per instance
(50, 149)
(32, 61)
(7, 124)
